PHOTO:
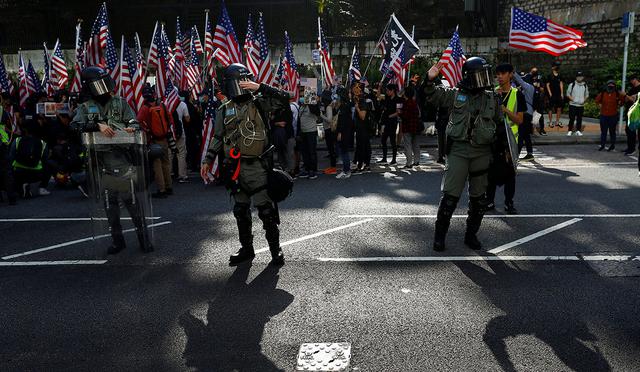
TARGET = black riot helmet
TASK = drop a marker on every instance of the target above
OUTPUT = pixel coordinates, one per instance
(97, 81)
(476, 74)
(233, 75)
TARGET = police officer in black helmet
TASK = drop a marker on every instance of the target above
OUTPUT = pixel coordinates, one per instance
(475, 114)
(110, 114)
(242, 130)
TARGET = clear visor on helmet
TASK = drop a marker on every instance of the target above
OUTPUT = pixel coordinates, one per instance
(102, 86)
(481, 79)
(233, 88)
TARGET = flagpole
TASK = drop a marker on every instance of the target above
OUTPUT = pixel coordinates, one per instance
(153, 36)
(406, 81)
(373, 54)
(320, 51)
(121, 64)
(205, 61)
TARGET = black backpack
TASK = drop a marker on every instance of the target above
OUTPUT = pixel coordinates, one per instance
(28, 151)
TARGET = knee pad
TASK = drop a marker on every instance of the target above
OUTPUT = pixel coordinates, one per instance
(478, 204)
(268, 215)
(242, 211)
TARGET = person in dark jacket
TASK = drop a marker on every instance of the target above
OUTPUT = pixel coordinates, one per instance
(362, 121)
(344, 132)
(411, 127)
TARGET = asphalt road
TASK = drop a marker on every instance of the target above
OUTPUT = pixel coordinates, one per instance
(559, 292)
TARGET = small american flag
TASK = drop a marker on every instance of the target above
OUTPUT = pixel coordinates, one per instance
(280, 78)
(127, 71)
(327, 65)
(76, 83)
(177, 65)
(209, 61)
(5, 84)
(291, 68)
(139, 75)
(112, 62)
(207, 128)
(161, 63)
(152, 57)
(397, 66)
(195, 41)
(193, 68)
(226, 41)
(354, 68)
(252, 52)
(33, 81)
(59, 68)
(172, 98)
(532, 32)
(23, 81)
(452, 60)
(46, 83)
(265, 72)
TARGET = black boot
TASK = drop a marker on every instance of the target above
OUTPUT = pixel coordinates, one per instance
(270, 221)
(137, 216)
(113, 218)
(117, 245)
(242, 212)
(445, 212)
(476, 213)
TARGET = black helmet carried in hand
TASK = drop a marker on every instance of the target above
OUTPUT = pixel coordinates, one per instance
(97, 81)
(233, 75)
(476, 74)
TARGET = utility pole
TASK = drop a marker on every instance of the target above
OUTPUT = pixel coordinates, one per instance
(627, 29)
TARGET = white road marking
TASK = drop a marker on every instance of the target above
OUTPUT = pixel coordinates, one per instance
(325, 232)
(480, 258)
(66, 244)
(53, 263)
(62, 219)
(534, 236)
(633, 157)
(405, 290)
(498, 216)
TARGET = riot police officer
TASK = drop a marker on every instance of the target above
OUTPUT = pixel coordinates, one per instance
(241, 128)
(475, 114)
(110, 114)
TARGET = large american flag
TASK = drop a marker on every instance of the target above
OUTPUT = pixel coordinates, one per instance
(452, 60)
(250, 49)
(209, 61)
(354, 67)
(265, 74)
(290, 68)
(532, 32)
(5, 84)
(59, 75)
(98, 39)
(76, 83)
(127, 71)
(23, 82)
(225, 40)
(327, 65)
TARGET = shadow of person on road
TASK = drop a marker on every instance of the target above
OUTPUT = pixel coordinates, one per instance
(530, 301)
(230, 338)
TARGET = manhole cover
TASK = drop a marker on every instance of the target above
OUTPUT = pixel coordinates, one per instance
(324, 357)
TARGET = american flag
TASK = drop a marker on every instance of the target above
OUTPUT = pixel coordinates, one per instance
(207, 130)
(193, 75)
(532, 32)
(171, 98)
(354, 67)
(226, 41)
(152, 57)
(327, 66)
(98, 38)
(252, 52)
(33, 81)
(209, 61)
(291, 68)
(139, 75)
(111, 57)
(127, 71)
(76, 83)
(23, 81)
(60, 75)
(46, 83)
(452, 60)
(177, 63)
(265, 74)
(195, 41)
(5, 84)
(280, 78)
(161, 63)
(397, 66)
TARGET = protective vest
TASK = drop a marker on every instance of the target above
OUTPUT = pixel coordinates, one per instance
(244, 129)
(4, 135)
(512, 103)
(17, 164)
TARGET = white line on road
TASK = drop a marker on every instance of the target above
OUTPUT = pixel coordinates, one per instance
(66, 244)
(399, 216)
(325, 232)
(62, 219)
(53, 263)
(534, 236)
(480, 258)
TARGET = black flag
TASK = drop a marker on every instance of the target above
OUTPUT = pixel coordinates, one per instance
(394, 38)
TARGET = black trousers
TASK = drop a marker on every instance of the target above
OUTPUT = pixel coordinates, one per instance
(362, 155)
(309, 151)
(389, 132)
(442, 142)
(22, 176)
(632, 136)
(509, 189)
(575, 115)
(330, 140)
(112, 209)
(6, 173)
(524, 134)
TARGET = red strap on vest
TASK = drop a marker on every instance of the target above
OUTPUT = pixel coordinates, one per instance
(235, 154)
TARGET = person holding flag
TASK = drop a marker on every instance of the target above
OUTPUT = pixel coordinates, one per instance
(475, 114)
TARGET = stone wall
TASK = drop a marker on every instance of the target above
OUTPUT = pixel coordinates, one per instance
(600, 21)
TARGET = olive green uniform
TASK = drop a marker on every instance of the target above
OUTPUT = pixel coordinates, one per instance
(470, 133)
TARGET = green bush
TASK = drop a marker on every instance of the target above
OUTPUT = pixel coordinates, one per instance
(591, 110)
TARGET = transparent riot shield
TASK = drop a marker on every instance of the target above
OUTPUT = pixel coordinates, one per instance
(118, 172)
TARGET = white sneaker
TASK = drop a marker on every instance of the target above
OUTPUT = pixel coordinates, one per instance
(44, 192)
(579, 134)
(347, 175)
(340, 175)
(569, 134)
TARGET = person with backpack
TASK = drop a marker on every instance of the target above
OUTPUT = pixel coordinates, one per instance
(28, 156)
(577, 93)
(181, 120)
(156, 120)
